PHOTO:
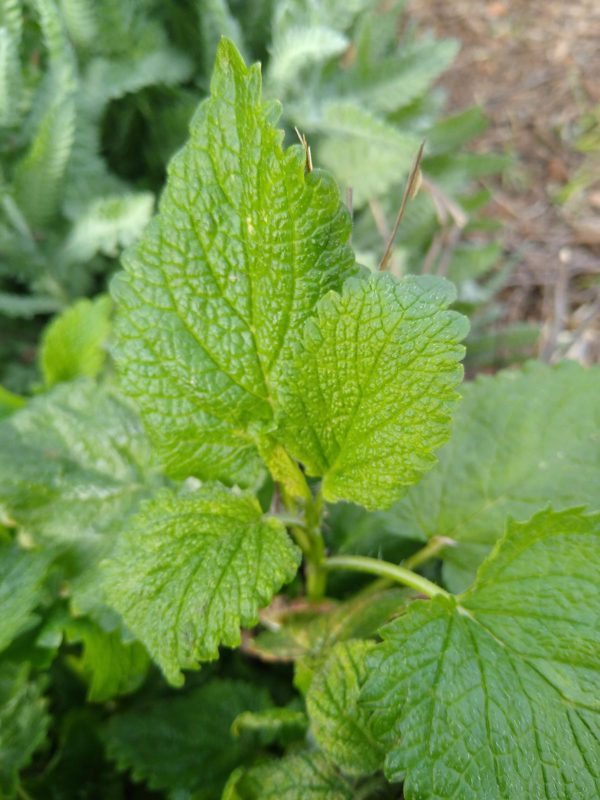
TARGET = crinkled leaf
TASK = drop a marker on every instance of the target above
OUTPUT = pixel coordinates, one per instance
(22, 574)
(341, 727)
(184, 742)
(23, 722)
(520, 440)
(73, 345)
(495, 693)
(222, 279)
(372, 388)
(303, 776)
(73, 464)
(190, 570)
(110, 666)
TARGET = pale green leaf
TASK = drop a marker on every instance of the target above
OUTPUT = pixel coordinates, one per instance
(191, 569)
(23, 723)
(184, 742)
(296, 47)
(244, 245)
(494, 694)
(341, 727)
(73, 464)
(110, 666)
(521, 440)
(108, 225)
(22, 574)
(388, 84)
(73, 344)
(373, 386)
(10, 77)
(302, 776)
(363, 151)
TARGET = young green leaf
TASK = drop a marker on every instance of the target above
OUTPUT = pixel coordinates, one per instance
(495, 693)
(23, 723)
(184, 743)
(22, 575)
(110, 666)
(520, 439)
(191, 569)
(371, 391)
(339, 725)
(73, 345)
(302, 776)
(244, 245)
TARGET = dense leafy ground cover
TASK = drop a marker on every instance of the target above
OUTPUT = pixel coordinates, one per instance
(391, 591)
(97, 96)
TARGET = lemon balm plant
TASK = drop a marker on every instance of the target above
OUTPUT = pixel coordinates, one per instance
(292, 405)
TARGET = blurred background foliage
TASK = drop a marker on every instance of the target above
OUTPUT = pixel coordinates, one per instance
(96, 95)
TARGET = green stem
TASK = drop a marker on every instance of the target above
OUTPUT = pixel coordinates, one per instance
(386, 570)
(431, 549)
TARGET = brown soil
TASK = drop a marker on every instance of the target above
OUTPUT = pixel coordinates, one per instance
(534, 67)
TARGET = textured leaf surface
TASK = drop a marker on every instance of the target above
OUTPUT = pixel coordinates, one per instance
(372, 387)
(244, 245)
(184, 742)
(73, 345)
(495, 693)
(520, 441)
(73, 464)
(191, 569)
(22, 574)
(304, 776)
(339, 725)
(110, 666)
(23, 722)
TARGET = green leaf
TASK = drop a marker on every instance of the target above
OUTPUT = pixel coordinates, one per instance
(110, 666)
(191, 569)
(184, 741)
(362, 150)
(341, 727)
(23, 723)
(107, 225)
(22, 576)
(494, 694)
(73, 464)
(303, 776)
(521, 439)
(244, 245)
(73, 345)
(372, 388)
